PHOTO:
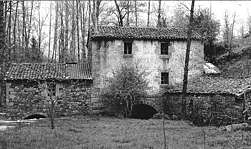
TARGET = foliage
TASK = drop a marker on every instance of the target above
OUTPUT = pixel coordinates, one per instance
(203, 23)
(125, 88)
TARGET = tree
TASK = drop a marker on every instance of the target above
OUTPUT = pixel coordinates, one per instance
(185, 82)
(228, 31)
(159, 14)
(148, 13)
(49, 46)
(125, 89)
(2, 50)
(136, 12)
(120, 13)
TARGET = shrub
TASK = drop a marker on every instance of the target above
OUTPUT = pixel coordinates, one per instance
(126, 88)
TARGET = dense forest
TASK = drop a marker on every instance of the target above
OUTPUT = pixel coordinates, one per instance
(60, 35)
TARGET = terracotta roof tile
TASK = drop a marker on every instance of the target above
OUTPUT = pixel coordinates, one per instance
(43, 71)
(116, 32)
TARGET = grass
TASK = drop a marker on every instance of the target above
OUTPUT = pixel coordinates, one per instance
(110, 133)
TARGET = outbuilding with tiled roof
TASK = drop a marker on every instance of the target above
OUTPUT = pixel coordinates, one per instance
(56, 76)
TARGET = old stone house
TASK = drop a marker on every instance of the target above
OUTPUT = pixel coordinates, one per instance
(158, 51)
(56, 77)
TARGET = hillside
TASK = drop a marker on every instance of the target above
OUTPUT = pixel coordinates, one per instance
(237, 64)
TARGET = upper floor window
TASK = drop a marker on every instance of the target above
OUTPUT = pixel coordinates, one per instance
(164, 78)
(164, 48)
(127, 47)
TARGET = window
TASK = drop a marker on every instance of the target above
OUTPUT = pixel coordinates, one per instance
(52, 88)
(164, 48)
(164, 78)
(127, 47)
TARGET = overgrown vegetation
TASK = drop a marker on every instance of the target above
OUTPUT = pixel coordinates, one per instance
(126, 88)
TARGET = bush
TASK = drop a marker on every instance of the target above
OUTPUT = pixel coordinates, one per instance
(126, 88)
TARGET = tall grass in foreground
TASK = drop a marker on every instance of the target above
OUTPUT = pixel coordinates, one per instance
(113, 133)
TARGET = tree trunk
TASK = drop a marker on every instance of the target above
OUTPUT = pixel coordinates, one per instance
(49, 47)
(189, 34)
(39, 28)
(159, 14)
(77, 6)
(73, 40)
(54, 53)
(83, 20)
(128, 14)
(2, 51)
(120, 19)
(28, 36)
(14, 31)
(23, 31)
(66, 28)
(148, 13)
(136, 13)
(62, 48)
(9, 30)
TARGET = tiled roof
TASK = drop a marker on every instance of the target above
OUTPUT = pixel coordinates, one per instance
(215, 85)
(116, 32)
(44, 71)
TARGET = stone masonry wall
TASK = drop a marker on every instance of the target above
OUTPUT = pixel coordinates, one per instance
(72, 98)
(107, 56)
(207, 109)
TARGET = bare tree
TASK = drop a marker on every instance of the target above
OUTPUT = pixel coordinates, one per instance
(14, 30)
(73, 39)
(232, 32)
(159, 14)
(29, 29)
(61, 50)
(2, 51)
(24, 27)
(128, 14)
(54, 52)
(83, 31)
(77, 20)
(148, 12)
(49, 47)
(66, 29)
(136, 12)
(228, 31)
(185, 82)
(120, 15)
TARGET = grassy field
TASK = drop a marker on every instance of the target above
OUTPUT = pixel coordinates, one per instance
(107, 133)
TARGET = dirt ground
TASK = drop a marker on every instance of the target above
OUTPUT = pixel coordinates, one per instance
(91, 132)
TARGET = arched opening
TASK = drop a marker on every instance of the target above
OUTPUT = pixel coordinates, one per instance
(35, 116)
(143, 111)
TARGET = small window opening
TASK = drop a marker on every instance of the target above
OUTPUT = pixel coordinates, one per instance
(52, 88)
(127, 47)
(164, 48)
(164, 78)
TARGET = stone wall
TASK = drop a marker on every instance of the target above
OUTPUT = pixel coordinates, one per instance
(107, 56)
(207, 109)
(71, 98)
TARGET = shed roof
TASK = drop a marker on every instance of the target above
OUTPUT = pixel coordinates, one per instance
(215, 85)
(45, 71)
(144, 33)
